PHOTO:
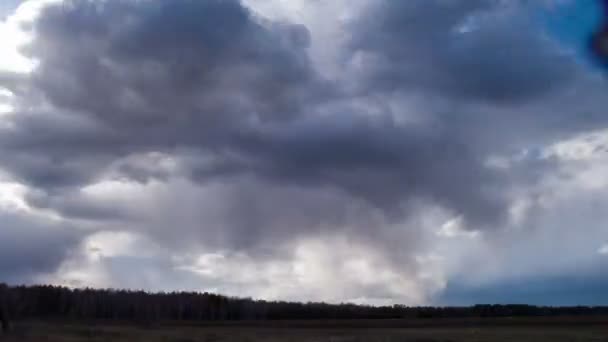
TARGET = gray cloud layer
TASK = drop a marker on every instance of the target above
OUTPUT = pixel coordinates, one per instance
(31, 246)
(468, 50)
(243, 97)
(227, 108)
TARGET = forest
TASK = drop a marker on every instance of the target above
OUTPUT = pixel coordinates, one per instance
(56, 302)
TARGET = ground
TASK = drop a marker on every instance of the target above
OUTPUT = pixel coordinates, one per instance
(426, 330)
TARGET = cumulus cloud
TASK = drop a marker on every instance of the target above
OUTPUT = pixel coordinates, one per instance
(183, 81)
(228, 133)
(476, 50)
(33, 246)
(240, 101)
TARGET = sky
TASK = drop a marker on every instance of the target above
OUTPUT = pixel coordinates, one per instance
(421, 152)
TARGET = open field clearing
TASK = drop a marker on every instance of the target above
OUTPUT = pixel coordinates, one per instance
(507, 330)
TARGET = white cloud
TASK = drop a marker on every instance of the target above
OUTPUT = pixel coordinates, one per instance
(13, 35)
(331, 269)
(453, 229)
(584, 147)
(11, 196)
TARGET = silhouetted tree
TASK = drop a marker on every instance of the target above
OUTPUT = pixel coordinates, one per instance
(25, 302)
(4, 321)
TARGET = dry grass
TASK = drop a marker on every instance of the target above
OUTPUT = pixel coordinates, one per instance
(321, 331)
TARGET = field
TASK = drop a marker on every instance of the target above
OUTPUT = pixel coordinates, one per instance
(511, 330)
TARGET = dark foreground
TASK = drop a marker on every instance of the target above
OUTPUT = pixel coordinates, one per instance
(427, 330)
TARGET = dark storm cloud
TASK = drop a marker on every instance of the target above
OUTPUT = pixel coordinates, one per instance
(128, 77)
(209, 77)
(212, 131)
(231, 96)
(480, 50)
(30, 246)
(377, 160)
(186, 61)
(76, 205)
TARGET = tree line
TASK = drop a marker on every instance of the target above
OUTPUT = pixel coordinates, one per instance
(56, 302)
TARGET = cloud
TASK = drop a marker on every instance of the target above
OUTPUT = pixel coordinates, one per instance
(241, 100)
(206, 128)
(549, 254)
(183, 82)
(31, 246)
(472, 50)
(313, 272)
